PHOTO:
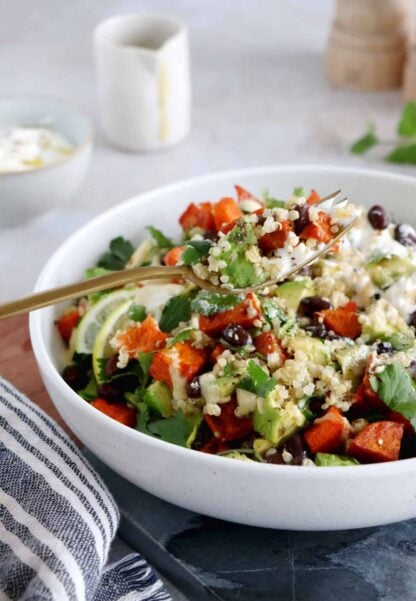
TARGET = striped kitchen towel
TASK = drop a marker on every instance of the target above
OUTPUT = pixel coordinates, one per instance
(57, 518)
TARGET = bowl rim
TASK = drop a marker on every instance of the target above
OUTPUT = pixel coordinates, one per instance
(77, 149)
(372, 470)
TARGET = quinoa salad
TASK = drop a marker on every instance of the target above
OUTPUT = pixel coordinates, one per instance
(317, 370)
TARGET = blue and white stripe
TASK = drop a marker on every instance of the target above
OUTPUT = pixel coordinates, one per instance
(57, 518)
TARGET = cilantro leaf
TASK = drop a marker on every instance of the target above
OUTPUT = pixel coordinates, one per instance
(181, 337)
(117, 256)
(272, 203)
(208, 303)
(273, 311)
(142, 418)
(178, 429)
(159, 237)
(137, 312)
(176, 310)
(195, 250)
(257, 380)
(397, 389)
(135, 398)
(300, 191)
(95, 272)
(90, 392)
(407, 123)
(403, 154)
(366, 142)
(145, 361)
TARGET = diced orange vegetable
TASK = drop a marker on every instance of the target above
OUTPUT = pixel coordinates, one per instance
(173, 257)
(214, 446)
(379, 441)
(198, 216)
(216, 352)
(395, 416)
(119, 411)
(142, 337)
(244, 314)
(319, 230)
(228, 426)
(267, 343)
(327, 433)
(226, 211)
(365, 399)
(67, 323)
(276, 239)
(243, 194)
(343, 321)
(182, 356)
(313, 198)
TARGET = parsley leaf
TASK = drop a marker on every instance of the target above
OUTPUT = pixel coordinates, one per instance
(178, 429)
(195, 250)
(176, 310)
(397, 389)
(135, 398)
(272, 203)
(143, 417)
(300, 191)
(137, 312)
(366, 142)
(257, 380)
(407, 123)
(95, 272)
(159, 237)
(208, 303)
(119, 253)
(403, 154)
(181, 337)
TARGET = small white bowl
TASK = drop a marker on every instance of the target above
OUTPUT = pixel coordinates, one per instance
(274, 496)
(24, 194)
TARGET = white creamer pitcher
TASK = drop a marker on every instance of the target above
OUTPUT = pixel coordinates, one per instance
(143, 80)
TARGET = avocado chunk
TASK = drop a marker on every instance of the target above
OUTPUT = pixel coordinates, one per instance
(237, 455)
(293, 292)
(261, 446)
(158, 398)
(217, 390)
(277, 424)
(314, 349)
(385, 271)
(383, 322)
(330, 460)
(353, 361)
(240, 271)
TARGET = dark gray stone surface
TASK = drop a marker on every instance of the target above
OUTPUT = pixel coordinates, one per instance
(211, 559)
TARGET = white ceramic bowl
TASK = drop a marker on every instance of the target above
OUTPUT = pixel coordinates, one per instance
(298, 498)
(27, 193)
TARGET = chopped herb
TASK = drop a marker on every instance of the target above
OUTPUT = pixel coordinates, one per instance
(209, 303)
(366, 142)
(407, 123)
(137, 312)
(90, 392)
(195, 250)
(403, 154)
(143, 415)
(257, 380)
(397, 389)
(82, 359)
(228, 370)
(178, 429)
(273, 311)
(300, 191)
(272, 203)
(119, 253)
(135, 398)
(95, 272)
(181, 337)
(305, 407)
(176, 311)
(159, 237)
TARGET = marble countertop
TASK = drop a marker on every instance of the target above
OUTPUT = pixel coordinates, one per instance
(260, 97)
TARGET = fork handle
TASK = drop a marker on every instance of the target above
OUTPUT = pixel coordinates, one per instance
(104, 282)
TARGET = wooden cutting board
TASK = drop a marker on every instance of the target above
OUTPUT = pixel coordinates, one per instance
(18, 365)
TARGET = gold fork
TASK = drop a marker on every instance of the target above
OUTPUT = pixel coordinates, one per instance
(142, 274)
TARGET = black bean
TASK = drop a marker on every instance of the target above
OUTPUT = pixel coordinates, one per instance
(412, 370)
(296, 447)
(303, 219)
(312, 304)
(377, 296)
(210, 235)
(384, 348)
(110, 393)
(412, 319)
(193, 388)
(111, 367)
(236, 335)
(75, 377)
(405, 234)
(317, 330)
(378, 218)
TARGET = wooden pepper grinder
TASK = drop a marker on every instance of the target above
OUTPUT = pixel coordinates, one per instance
(367, 44)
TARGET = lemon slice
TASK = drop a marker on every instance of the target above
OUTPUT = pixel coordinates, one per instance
(91, 323)
(102, 348)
